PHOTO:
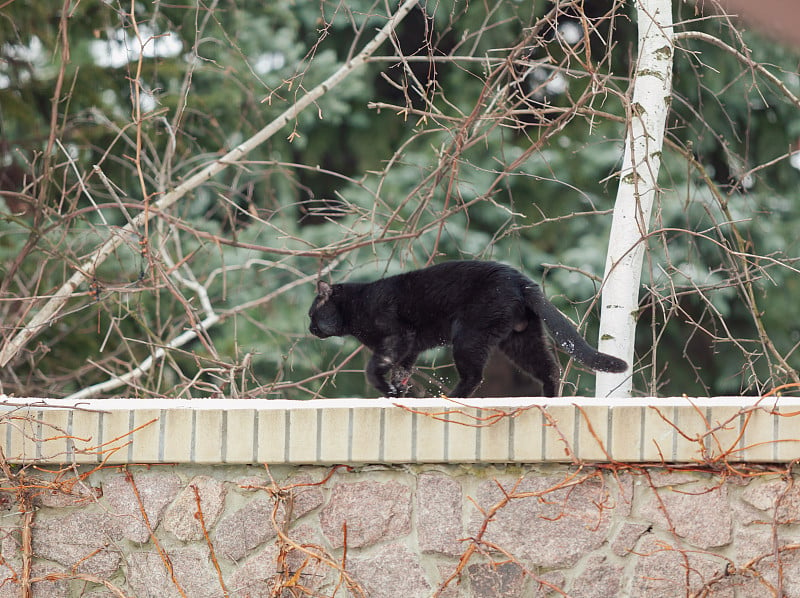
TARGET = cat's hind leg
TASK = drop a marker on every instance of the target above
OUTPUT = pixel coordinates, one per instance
(470, 353)
(533, 353)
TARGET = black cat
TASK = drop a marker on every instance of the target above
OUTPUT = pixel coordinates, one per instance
(470, 305)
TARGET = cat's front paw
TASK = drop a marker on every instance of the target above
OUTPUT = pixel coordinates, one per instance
(397, 390)
(399, 381)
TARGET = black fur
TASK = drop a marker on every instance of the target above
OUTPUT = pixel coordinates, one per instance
(471, 305)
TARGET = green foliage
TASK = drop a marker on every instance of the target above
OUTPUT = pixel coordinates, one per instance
(470, 154)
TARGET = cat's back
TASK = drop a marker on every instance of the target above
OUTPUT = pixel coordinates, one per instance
(465, 272)
(456, 284)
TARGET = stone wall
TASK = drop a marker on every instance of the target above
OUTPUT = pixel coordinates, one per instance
(400, 531)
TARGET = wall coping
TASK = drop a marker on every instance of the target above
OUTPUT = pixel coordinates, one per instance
(708, 431)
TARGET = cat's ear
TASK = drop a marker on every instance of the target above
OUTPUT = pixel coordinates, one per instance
(324, 290)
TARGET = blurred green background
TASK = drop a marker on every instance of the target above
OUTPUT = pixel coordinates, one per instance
(481, 130)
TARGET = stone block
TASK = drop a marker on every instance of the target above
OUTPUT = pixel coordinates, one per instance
(181, 516)
(65, 495)
(624, 484)
(305, 495)
(81, 540)
(489, 580)
(701, 516)
(51, 586)
(237, 534)
(544, 584)
(390, 572)
(663, 570)
(744, 513)
(454, 588)
(251, 483)
(659, 478)
(743, 586)
(256, 575)
(439, 520)
(627, 536)
(780, 494)
(313, 572)
(242, 531)
(192, 571)
(100, 593)
(373, 512)
(156, 491)
(753, 543)
(599, 579)
(547, 522)
(755, 546)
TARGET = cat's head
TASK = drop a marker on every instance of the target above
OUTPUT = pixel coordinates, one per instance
(326, 320)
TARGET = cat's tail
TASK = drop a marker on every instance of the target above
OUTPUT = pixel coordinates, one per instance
(567, 336)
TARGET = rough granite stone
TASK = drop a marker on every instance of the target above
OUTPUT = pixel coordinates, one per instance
(454, 589)
(550, 528)
(702, 516)
(599, 579)
(776, 493)
(623, 495)
(83, 540)
(48, 588)
(251, 483)
(257, 575)
(181, 516)
(305, 495)
(627, 536)
(660, 478)
(391, 572)
(504, 580)
(239, 533)
(544, 584)
(753, 543)
(100, 593)
(661, 570)
(744, 513)
(10, 547)
(754, 547)
(149, 577)
(373, 511)
(742, 586)
(539, 586)
(790, 569)
(66, 495)
(156, 491)
(439, 521)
